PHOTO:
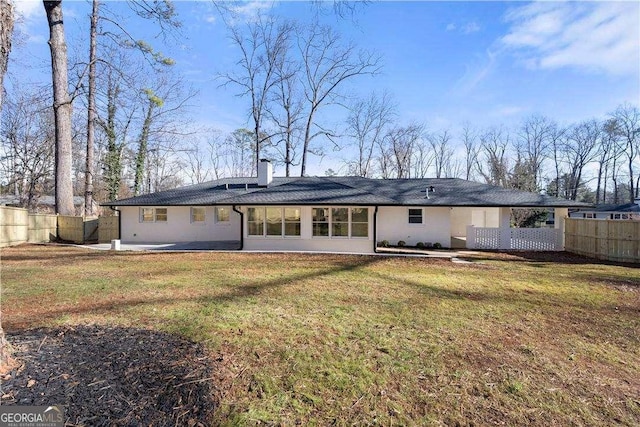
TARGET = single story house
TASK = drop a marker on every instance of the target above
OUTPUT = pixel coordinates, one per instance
(615, 212)
(338, 214)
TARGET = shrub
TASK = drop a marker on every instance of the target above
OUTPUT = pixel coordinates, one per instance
(401, 243)
(384, 244)
(420, 245)
(437, 245)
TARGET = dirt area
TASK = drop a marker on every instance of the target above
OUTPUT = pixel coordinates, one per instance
(116, 376)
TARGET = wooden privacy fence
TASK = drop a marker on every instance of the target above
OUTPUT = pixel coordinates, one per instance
(108, 228)
(18, 226)
(612, 240)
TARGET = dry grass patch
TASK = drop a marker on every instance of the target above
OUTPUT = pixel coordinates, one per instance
(344, 340)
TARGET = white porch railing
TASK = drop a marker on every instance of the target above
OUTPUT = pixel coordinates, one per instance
(529, 239)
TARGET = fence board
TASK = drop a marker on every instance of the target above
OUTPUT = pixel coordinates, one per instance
(613, 240)
(108, 228)
(42, 228)
(14, 226)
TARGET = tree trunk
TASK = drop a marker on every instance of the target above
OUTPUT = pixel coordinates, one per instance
(61, 108)
(142, 150)
(91, 109)
(6, 29)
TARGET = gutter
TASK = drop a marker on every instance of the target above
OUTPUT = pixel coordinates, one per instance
(375, 230)
(241, 226)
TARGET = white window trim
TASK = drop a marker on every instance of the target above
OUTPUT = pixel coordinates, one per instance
(217, 220)
(349, 222)
(201, 223)
(264, 234)
(155, 215)
(415, 224)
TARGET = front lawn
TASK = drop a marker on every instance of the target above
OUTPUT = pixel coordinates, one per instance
(344, 340)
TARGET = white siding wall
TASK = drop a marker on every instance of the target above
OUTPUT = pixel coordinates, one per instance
(393, 225)
(306, 242)
(178, 227)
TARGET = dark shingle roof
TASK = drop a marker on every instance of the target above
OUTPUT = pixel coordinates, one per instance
(628, 207)
(346, 191)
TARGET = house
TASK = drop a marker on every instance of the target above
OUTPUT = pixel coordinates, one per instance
(616, 212)
(341, 214)
(46, 204)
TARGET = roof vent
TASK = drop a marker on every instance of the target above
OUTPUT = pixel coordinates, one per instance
(430, 189)
(265, 173)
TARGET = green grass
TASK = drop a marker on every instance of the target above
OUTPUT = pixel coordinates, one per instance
(359, 340)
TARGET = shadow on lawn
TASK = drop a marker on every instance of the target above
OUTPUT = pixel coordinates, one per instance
(116, 376)
(561, 257)
(14, 323)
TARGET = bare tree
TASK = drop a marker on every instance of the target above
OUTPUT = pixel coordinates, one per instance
(61, 108)
(492, 163)
(471, 150)
(91, 111)
(580, 149)
(627, 119)
(285, 104)
(399, 143)
(327, 65)
(442, 153)
(607, 149)
(423, 158)
(27, 135)
(368, 118)
(262, 47)
(533, 144)
(6, 31)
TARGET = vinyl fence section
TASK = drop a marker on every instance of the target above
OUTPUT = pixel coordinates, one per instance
(612, 240)
(529, 239)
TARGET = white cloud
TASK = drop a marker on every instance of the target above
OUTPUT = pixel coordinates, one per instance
(210, 19)
(250, 10)
(28, 8)
(471, 27)
(451, 27)
(599, 36)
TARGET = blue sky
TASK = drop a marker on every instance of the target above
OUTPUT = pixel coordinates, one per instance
(445, 63)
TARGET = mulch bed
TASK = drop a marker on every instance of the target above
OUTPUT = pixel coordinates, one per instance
(116, 376)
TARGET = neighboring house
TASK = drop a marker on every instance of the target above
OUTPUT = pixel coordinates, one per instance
(616, 212)
(342, 214)
(47, 204)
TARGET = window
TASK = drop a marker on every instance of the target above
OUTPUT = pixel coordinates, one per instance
(255, 221)
(620, 216)
(291, 221)
(197, 214)
(146, 214)
(161, 214)
(415, 216)
(359, 222)
(273, 222)
(153, 215)
(589, 215)
(340, 222)
(222, 214)
(321, 222)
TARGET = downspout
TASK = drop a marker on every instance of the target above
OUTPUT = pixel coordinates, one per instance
(241, 226)
(375, 230)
